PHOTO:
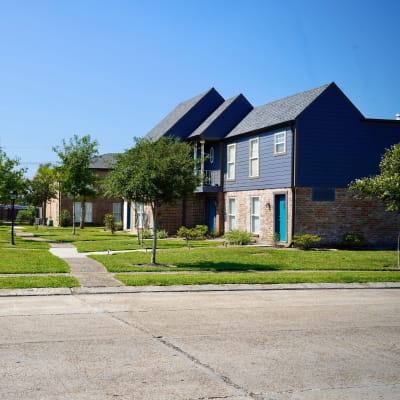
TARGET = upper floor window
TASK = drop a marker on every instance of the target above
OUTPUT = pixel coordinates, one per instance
(211, 155)
(231, 162)
(280, 143)
(254, 153)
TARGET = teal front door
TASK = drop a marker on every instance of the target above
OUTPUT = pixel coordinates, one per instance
(280, 217)
(211, 213)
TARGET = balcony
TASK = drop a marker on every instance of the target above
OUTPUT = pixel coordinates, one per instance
(211, 181)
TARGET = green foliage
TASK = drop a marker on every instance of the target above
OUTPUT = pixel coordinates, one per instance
(109, 222)
(42, 187)
(65, 218)
(238, 237)
(306, 241)
(353, 239)
(153, 173)
(11, 177)
(75, 176)
(386, 185)
(26, 217)
(145, 233)
(198, 232)
(119, 226)
(162, 234)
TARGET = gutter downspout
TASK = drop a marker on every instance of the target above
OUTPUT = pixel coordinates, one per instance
(294, 178)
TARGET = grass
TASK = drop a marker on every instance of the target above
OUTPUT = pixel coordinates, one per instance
(257, 278)
(20, 261)
(97, 239)
(25, 282)
(250, 259)
(20, 243)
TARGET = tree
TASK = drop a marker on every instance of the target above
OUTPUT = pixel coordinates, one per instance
(77, 180)
(153, 173)
(11, 177)
(386, 185)
(43, 187)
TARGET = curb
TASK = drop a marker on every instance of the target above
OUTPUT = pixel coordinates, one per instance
(194, 288)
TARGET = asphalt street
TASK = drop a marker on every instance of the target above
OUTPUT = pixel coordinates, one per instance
(286, 344)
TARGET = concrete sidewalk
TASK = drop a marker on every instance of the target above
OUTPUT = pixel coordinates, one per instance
(89, 273)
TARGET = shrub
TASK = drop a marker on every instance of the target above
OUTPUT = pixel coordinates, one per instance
(305, 241)
(200, 231)
(65, 218)
(238, 237)
(145, 233)
(353, 239)
(109, 222)
(162, 234)
(26, 217)
(119, 226)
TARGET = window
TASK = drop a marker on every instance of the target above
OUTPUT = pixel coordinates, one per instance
(88, 212)
(116, 210)
(211, 155)
(231, 161)
(280, 143)
(255, 215)
(253, 158)
(231, 214)
(140, 216)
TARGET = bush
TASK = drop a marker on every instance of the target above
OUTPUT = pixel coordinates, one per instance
(353, 239)
(119, 226)
(65, 218)
(109, 222)
(162, 234)
(198, 232)
(145, 233)
(306, 241)
(238, 237)
(26, 217)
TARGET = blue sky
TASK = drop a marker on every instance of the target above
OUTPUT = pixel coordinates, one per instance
(114, 69)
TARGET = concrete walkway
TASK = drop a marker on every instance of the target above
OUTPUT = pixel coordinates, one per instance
(89, 273)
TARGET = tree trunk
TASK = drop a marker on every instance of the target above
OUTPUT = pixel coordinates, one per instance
(154, 249)
(83, 214)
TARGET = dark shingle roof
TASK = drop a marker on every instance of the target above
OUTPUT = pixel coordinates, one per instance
(104, 161)
(226, 116)
(277, 112)
(182, 110)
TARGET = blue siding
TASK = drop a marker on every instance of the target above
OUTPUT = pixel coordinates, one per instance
(334, 143)
(275, 171)
(195, 116)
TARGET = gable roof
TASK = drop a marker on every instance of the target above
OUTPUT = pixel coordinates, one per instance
(103, 161)
(277, 112)
(187, 115)
(224, 118)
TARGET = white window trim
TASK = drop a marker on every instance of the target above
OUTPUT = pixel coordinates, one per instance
(233, 162)
(231, 216)
(255, 215)
(276, 143)
(257, 157)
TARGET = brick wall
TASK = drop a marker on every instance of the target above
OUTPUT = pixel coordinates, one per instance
(331, 220)
(267, 211)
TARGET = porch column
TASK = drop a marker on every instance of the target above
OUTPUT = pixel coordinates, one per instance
(202, 141)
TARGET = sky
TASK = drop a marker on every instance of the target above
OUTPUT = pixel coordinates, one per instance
(113, 69)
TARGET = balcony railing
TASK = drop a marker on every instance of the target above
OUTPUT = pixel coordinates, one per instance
(211, 178)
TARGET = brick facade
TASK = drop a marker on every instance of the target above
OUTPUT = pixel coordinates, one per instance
(331, 219)
(267, 211)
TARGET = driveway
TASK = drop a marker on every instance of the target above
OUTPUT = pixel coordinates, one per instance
(299, 344)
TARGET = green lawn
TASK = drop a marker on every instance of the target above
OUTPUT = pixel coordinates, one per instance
(251, 259)
(257, 278)
(20, 243)
(20, 261)
(25, 282)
